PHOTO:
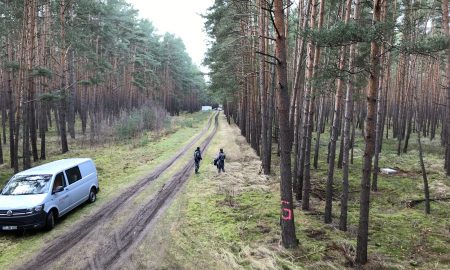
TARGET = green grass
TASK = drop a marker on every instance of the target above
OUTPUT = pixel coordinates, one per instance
(119, 164)
(222, 225)
(231, 221)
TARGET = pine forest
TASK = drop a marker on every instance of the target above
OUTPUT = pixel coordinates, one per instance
(332, 117)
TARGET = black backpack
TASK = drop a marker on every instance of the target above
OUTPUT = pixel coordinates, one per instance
(197, 155)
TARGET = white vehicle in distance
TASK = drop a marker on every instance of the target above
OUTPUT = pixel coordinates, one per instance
(35, 198)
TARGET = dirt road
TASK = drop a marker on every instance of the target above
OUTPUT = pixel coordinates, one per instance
(106, 239)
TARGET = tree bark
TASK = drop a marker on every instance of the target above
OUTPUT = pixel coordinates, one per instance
(336, 123)
(271, 112)
(32, 86)
(310, 113)
(426, 188)
(320, 120)
(447, 75)
(369, 138)
(12, 144)
(4, 113)
(289, 239)
(63, 102)
(298, 87)
(382, 105)
(71, 97)
(379, 121)
(306, 185)
(262, 89)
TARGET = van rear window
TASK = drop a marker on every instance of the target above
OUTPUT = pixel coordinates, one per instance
(73, 174)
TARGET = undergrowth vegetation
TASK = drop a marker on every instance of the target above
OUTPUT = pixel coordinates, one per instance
(231, 220)
(148, 118)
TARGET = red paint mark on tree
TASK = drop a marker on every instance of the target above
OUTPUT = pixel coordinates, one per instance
(287, 213)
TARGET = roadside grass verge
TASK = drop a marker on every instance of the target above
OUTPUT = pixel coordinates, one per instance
(119, 164)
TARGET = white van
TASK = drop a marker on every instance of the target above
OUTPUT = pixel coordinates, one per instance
(36, 197)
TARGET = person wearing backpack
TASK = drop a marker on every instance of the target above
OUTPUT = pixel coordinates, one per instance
(197, 158)
(220, 161)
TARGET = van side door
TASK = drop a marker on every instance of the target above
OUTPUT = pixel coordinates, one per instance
(76, 186)
(62, 198)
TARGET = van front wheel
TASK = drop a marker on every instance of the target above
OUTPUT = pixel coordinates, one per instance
(50, 221)
(92, 195)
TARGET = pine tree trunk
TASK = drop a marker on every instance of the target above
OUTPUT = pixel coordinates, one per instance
(426, 188)
(63, 102)
(341, 147)
(379, 121)
(378, 135)
(44, 55)
(4, 115)
(3, 105)
(84, 109)
(299, 154)
(369, 138)
(1, 154)
(319, 132)
(447, 75)
(288, 236)
(91, 127)
(271, 112)
(408, 129)
(12, 144)
(352, 140)
(336, 123)
(24, 56)
(306, 185)
(263, 90)
(29, 128)
(71, 98)
(299, 119)
(26, 137)
(42, 124)
(312, 66)
(33, 131)
(32, 87)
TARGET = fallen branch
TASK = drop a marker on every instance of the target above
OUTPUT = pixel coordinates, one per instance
(412, 203)
(315, 213)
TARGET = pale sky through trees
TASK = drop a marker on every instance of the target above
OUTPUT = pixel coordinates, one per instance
(179, 17)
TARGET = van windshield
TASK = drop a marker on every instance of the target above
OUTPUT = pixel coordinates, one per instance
(27, 184)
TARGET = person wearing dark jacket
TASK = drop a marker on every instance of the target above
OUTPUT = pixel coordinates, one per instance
(197, 158)
(220, 161)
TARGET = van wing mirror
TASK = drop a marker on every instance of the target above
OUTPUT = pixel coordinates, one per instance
(58, 189)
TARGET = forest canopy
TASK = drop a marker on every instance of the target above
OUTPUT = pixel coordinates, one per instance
(87, 60)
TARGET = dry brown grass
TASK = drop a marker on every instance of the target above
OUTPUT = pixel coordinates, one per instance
(242, 165)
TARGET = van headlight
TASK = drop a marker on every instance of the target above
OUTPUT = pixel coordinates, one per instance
(38, 209)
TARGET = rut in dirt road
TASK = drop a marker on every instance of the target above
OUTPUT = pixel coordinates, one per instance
(61, 246)
(128, 237)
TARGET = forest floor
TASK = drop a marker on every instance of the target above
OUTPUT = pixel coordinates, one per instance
(231, 220)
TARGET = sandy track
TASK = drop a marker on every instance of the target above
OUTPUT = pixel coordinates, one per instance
(116, 246)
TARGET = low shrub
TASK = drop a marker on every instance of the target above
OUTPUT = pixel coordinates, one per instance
(149, 117)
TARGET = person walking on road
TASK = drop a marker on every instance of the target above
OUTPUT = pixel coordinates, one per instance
(197, 158)
(220, 161)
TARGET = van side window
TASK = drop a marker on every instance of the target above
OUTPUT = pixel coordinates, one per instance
(73, 174)
(59, 181)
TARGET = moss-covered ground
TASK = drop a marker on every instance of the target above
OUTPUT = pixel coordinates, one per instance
(231, 220)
